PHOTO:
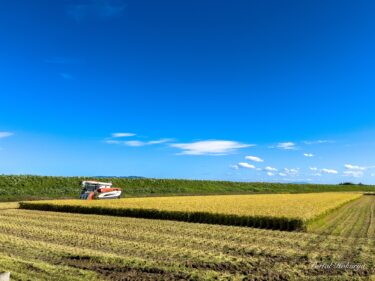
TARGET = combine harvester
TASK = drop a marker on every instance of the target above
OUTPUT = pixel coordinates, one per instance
(99, 190)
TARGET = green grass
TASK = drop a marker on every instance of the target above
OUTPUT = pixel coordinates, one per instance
(28, 187)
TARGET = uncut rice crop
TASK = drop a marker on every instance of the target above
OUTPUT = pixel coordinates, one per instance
(276, 211)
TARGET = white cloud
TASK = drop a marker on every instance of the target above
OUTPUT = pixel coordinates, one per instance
(328, 171)
(287, 145)
(270, 174)
(254, 158)
(313, 168)
(5, 134)
(317, 174)
(373, 174)
(121, 135)
(246, 165)
(354, 167)
(210, 147)
(355, 173)
(270, 169)
(282, 174)
(308, 155)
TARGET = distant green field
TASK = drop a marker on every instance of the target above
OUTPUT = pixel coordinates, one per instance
(25, 187)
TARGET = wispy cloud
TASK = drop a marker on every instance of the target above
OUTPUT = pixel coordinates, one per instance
(235, 167)
(355, 167)
(286, 145)
(254, 158)
(137, 143)
(297, 180)
(210, 147)
(291, 171)
(116, 138)
(246, 165)
(66, 76)
(313, 169)
(317, 142)
(96, 9)
(353, 173)
(160, 141)
(329, 171)
(270, 169)
(282, 174)
(121, 135)
(5, 134)
(308, 155)
(113, 141)
(296, 146)
(134, 143)
(270, 174)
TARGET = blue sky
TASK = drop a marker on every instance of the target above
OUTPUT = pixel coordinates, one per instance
(231, 90)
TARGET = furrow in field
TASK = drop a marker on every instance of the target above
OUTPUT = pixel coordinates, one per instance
(70, 257)
(202, 259)
(243, 246)
(355, 219)
(239, 253)
(253, 266)
(127, 248)
(371, 226)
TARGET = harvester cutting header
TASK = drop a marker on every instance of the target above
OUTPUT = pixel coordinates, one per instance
(99, 190)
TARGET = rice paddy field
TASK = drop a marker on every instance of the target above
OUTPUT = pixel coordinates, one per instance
(338, 243)
(276, 211)
(42, 245)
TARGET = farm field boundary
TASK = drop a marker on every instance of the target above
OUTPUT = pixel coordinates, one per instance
(273, 211)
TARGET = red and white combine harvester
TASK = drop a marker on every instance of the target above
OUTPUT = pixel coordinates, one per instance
(99, 190)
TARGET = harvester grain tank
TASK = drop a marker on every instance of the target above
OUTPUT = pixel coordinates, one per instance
(99, 190)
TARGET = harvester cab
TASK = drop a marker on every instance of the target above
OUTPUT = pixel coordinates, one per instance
(99, 190)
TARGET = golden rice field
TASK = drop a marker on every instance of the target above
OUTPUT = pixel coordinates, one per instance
(55, 246)
(277, 211)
